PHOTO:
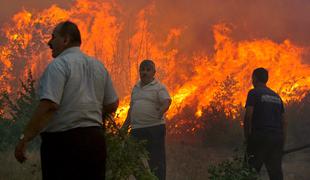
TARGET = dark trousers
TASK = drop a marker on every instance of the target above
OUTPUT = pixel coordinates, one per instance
(78, 154)
(266, 148)
(155, 145)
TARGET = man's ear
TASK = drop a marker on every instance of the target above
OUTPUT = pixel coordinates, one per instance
(67, 40)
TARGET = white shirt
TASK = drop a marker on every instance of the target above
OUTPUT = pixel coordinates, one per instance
(80, 85)
(145, 104)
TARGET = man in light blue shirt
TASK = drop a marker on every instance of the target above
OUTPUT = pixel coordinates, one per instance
(75, 92)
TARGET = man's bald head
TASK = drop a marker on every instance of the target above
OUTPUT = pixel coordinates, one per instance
(65, 35)
(71, 30)
(148, 63)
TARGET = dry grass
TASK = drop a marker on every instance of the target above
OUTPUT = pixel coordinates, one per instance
(296, 166)
(191, 162)
(184, 162)
(10, 169)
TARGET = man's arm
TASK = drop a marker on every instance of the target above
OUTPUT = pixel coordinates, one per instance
(284, 122)
(164, 106)
(247, 123)
(110, 108)
(110, 99)
(127, 122)
(38, 121)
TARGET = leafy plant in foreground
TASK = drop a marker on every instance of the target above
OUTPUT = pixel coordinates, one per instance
(233, 169)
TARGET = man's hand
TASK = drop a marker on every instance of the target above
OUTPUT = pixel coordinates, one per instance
(127, 122)
(247, 123)
(39, 119)
(164, 107)
(110, 108)
(20, 151)
(284, 122)
(126, 125)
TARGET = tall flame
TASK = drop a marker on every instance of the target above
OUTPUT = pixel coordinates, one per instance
(122, 40)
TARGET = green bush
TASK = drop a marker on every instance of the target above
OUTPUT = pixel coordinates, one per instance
(222, 118)
(234, 169)
(297, 114)
(17, 108)
(125, 154)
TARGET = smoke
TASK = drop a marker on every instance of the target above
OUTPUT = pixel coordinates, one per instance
(273, 19)
(277, 20)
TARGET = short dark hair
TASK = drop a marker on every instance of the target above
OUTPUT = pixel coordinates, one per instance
(147, 62)
(70, 29)
(261, 74)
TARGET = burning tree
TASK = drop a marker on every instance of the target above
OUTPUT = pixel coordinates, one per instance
(218, 122)
(223, 115)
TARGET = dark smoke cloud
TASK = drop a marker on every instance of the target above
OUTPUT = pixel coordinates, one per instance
(277, 20)
(273, 19)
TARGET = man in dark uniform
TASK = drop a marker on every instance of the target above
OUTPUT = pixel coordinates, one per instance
(264, 126)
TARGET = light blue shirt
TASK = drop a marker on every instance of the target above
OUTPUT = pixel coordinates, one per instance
(145, 104)
(80, 85)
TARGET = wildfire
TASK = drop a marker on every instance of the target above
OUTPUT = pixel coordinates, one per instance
(121, 41)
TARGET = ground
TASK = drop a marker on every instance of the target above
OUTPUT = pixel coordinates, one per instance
(190, 162)
(185, 161)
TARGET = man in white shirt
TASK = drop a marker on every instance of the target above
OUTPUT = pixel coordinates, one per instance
(75, 92)
(149, 101)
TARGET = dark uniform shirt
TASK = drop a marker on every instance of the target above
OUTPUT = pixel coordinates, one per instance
(268, 110)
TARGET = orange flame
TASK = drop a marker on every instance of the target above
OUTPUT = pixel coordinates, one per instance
(111, 35)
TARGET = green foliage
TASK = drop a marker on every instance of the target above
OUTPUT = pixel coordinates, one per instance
(222, 117)
(223, 127)
(16, 112)
(124, 153)
(235, 169)
(220, 120)
(297, 114)
(4, 125)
